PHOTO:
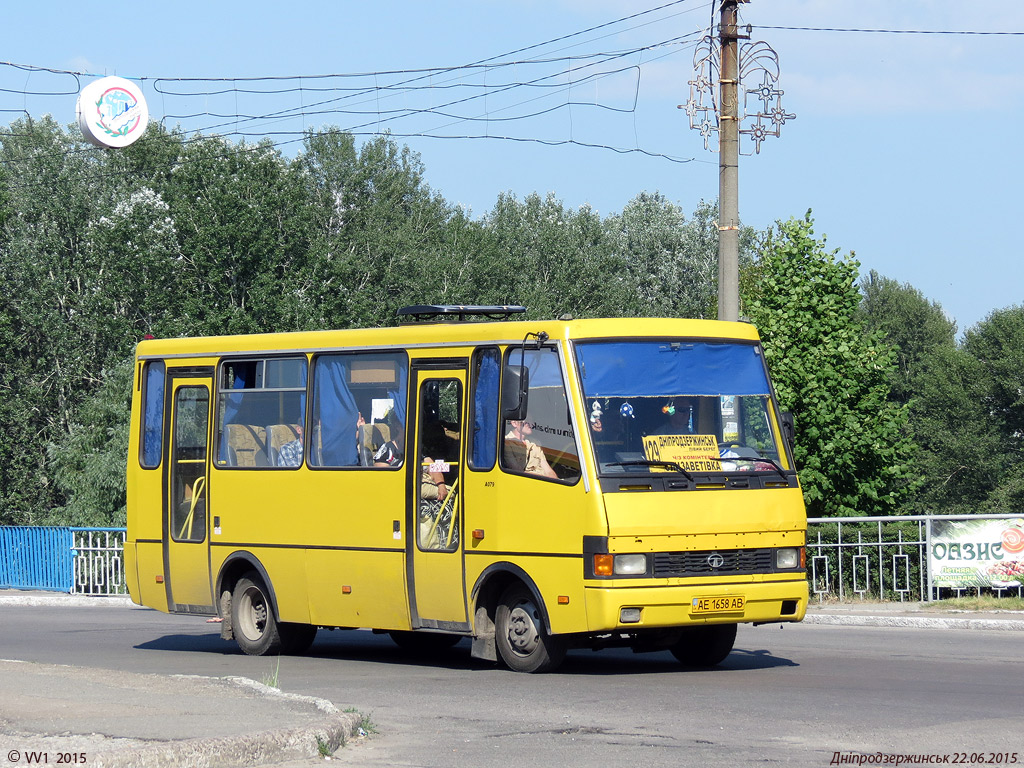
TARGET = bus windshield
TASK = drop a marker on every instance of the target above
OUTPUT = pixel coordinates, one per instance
(679, 406)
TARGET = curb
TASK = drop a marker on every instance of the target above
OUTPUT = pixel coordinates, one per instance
(1011, 625)
(265, 747)
(65, 600)
(327, 730)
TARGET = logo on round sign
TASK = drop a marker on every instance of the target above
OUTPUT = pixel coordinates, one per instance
(112, 112)
(1013, 540)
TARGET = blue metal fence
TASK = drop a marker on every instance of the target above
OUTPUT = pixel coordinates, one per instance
(36, 557)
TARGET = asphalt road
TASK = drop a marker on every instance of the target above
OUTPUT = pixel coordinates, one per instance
(795, 695)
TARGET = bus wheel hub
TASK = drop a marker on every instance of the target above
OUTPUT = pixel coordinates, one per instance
(522, 632)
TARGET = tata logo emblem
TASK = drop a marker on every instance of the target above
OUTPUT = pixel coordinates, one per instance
(715, 561)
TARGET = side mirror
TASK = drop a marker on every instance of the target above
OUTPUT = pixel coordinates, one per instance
(788, 429)
(515, 385)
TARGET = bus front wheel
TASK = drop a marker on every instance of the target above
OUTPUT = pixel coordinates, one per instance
(523, 641)
(705, 646)
(252, 617)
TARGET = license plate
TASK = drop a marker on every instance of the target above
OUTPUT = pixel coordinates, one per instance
(727, 604)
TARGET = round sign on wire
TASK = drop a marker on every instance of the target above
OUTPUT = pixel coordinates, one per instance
(112, 112)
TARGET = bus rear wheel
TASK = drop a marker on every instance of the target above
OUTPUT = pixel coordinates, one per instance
(523, 641)
(252, 617)
(705, 646)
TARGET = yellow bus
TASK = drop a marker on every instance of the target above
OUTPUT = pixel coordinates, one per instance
(535, 486)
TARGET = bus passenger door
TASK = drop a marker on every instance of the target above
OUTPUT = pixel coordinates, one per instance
(437, 590)
(187, 496)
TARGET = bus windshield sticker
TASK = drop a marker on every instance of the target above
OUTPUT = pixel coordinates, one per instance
(694, 453)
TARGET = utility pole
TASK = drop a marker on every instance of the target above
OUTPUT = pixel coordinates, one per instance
(720, 68)
(728, 168)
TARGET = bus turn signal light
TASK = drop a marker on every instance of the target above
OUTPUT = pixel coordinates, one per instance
(603, 565)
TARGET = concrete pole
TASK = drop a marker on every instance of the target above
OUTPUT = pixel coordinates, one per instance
(728, 168)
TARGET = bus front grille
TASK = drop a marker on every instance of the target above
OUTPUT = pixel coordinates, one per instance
(714, 561)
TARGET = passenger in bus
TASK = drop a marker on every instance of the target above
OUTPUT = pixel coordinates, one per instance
(536, 463)
(433, 485)
(391, 453)
(290, 454)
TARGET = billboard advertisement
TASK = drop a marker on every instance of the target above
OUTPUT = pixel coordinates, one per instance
(968, 553)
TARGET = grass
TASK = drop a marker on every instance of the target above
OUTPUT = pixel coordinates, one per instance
(976, 603)
(366, 726)
(322, 747)
(270, 680)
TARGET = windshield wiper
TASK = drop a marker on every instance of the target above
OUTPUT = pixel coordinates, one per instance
(675, 467)
(765, 459)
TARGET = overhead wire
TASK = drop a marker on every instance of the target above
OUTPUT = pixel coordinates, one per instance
(891, 31)
(412, 84)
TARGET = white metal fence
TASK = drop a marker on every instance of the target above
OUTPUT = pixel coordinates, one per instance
(98, 561)
(884, 558)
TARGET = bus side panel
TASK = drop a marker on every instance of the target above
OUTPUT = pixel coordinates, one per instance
(286, 568)
(537, 525)
(131, 572)
(554, 578)
(315, 531)
(149, 566)
(345, 589)
(144, 502)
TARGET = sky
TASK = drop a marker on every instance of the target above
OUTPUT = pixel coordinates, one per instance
(904, 146)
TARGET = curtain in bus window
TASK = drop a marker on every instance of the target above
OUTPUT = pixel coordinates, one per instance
(298, 416)
(398, 395)
(232, 405)
(485, 411)
(335, 413)
(661, 369)
(153, 432)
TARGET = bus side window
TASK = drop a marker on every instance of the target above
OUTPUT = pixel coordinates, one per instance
(261, 410)
(152, 414)
(543, 442)
(483, 448)
(358, 408)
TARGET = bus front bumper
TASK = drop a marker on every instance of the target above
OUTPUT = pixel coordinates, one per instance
(625, 608)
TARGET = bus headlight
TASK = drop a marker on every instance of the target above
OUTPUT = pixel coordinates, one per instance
(630, 565)
(787, 559)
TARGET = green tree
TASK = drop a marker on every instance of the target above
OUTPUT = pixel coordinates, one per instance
(234, 208)
(672, 262)
(553, 259)
(88, 463)
(379, 234)
(44, 274)
(969, 420)
(915, 327)
(851, 445)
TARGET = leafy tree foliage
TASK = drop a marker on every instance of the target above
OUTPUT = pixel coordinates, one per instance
(177, 236)
(851, 447)
(915, 327)
(552, 258)
(969, 420)
(89, 462)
